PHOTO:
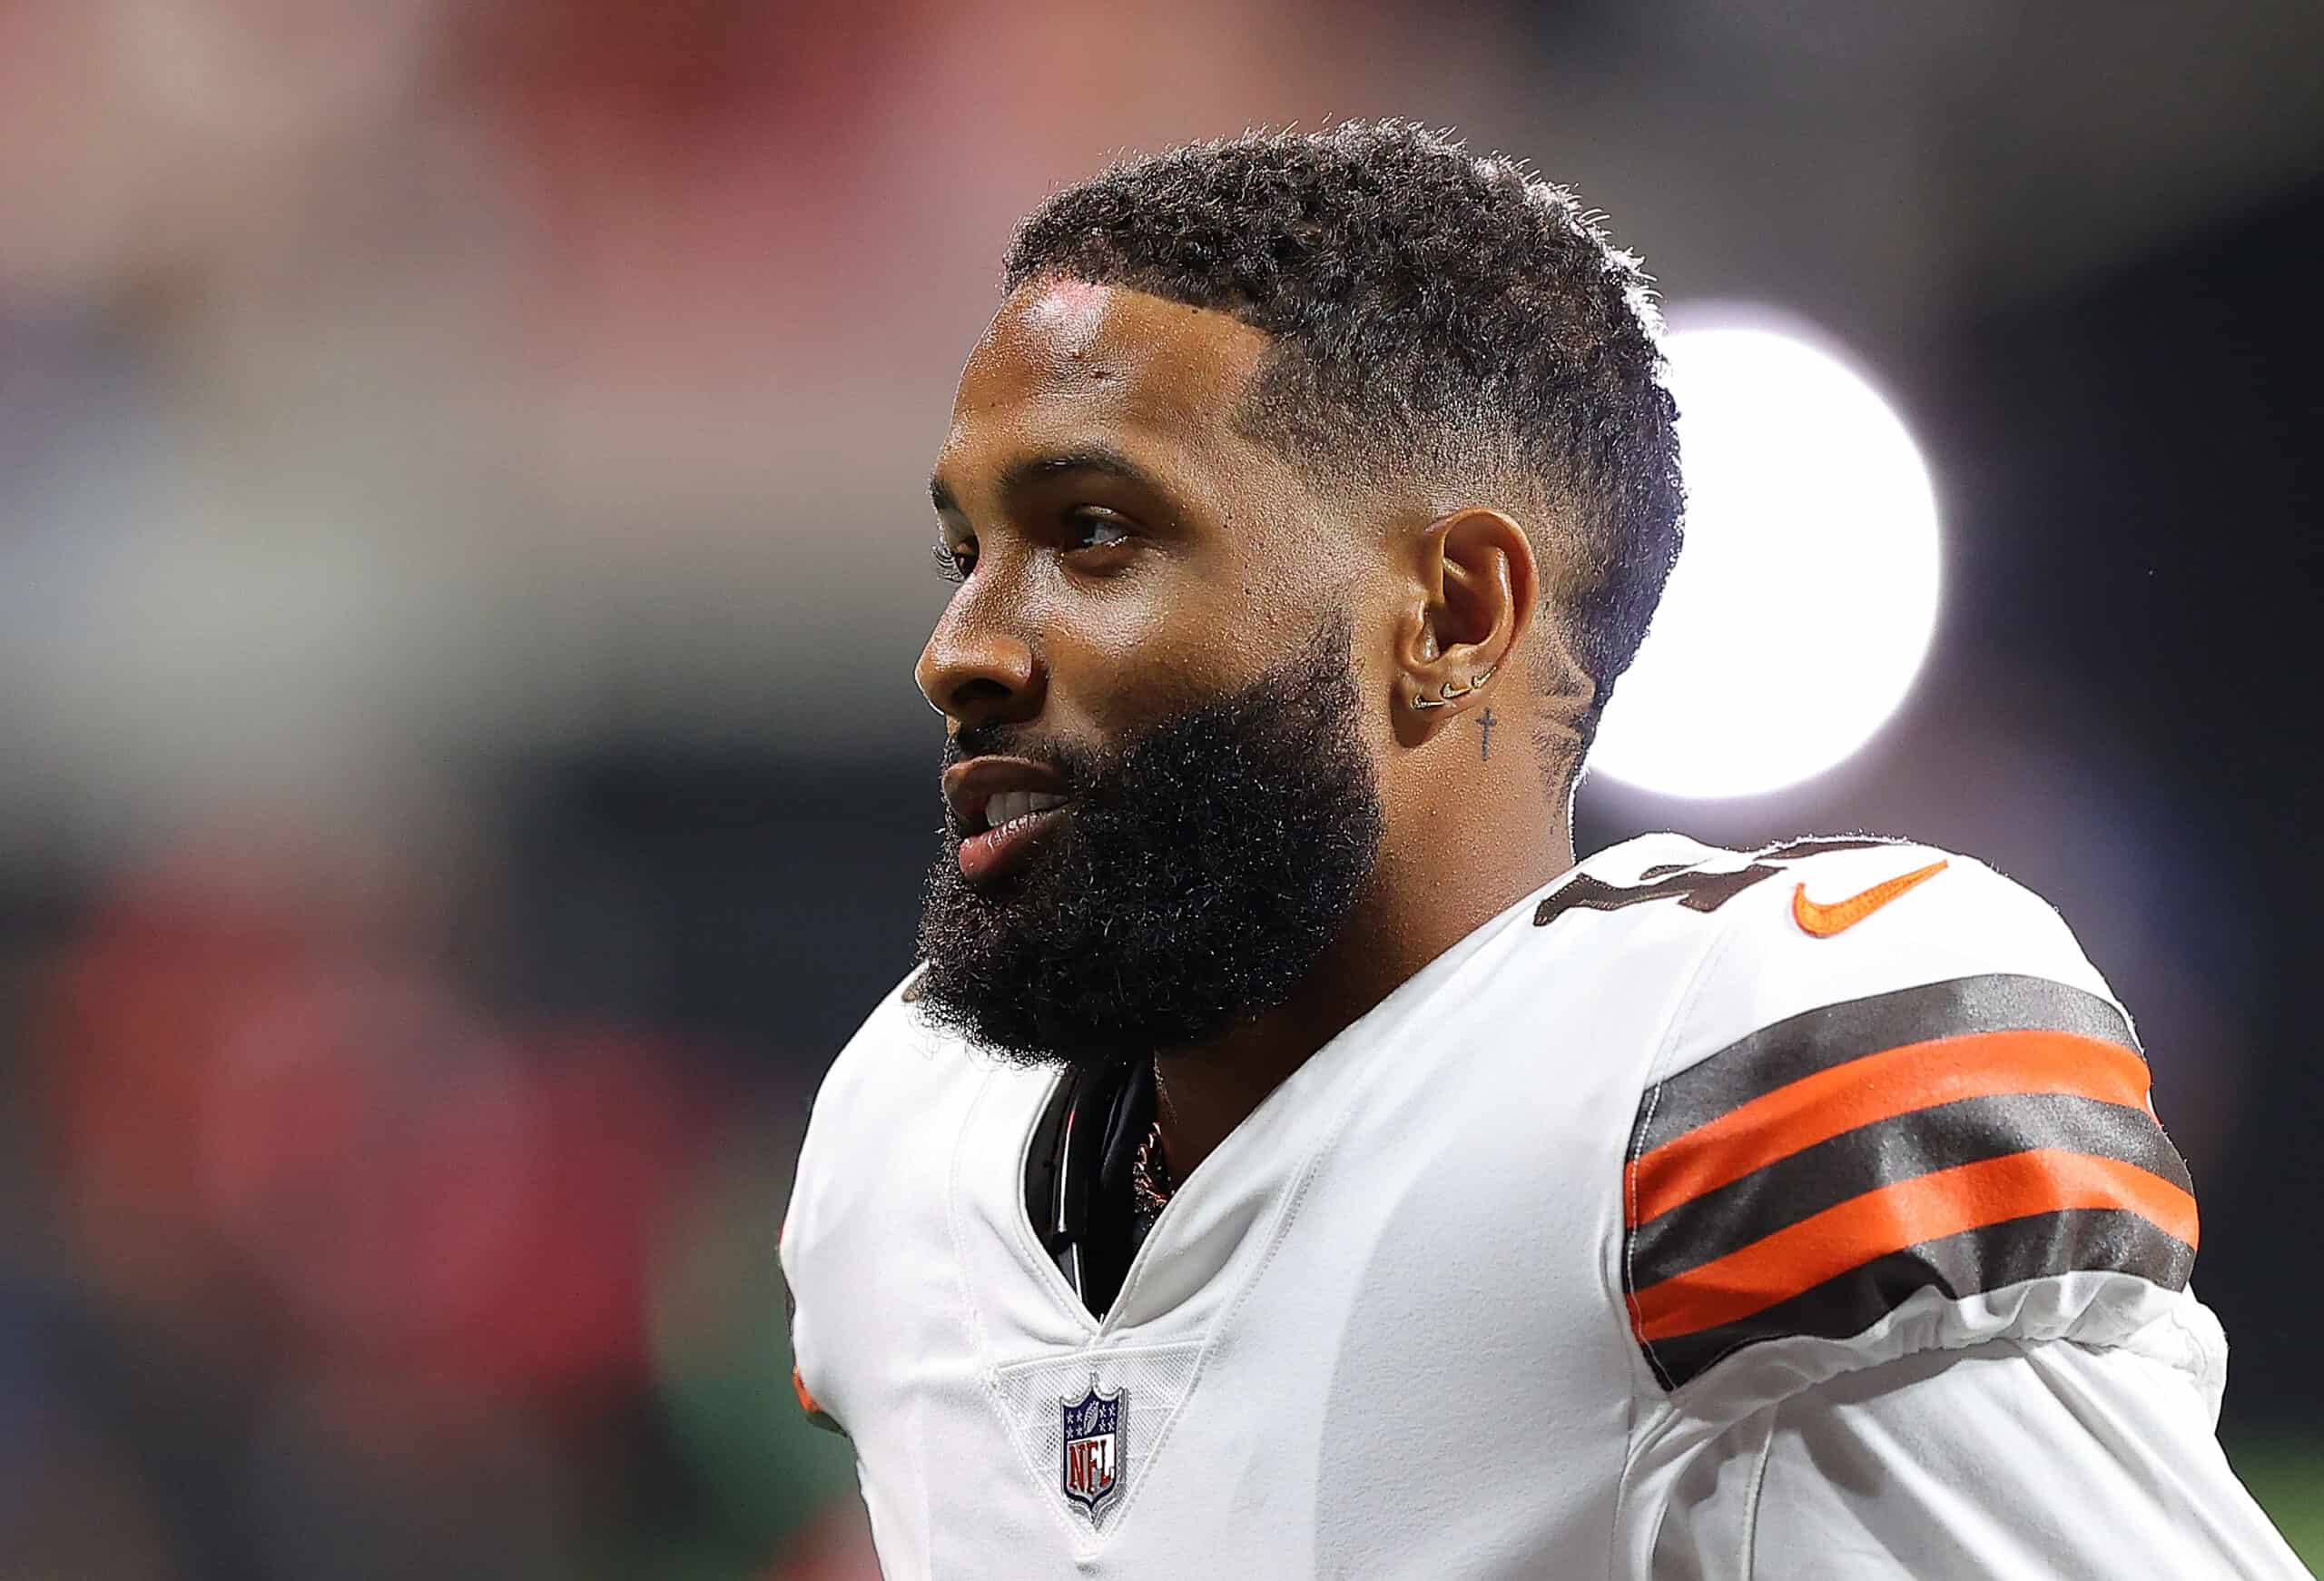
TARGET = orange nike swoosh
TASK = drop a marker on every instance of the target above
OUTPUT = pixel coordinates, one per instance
(1824, 920)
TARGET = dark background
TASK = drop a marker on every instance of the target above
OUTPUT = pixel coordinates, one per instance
(461, 555)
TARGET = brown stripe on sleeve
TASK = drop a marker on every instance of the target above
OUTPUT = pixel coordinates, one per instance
(1826, 1245)
(1989, 1258)
(1904, 1147)
(1833, 1034)
(1877, 1087)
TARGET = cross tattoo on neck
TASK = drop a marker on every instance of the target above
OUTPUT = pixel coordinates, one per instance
(1486, 720)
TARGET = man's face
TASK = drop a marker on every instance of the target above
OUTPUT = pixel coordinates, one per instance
(1160, 781)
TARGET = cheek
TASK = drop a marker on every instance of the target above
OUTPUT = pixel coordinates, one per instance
(1149, 664)
(1179, 633)
(1140, 654)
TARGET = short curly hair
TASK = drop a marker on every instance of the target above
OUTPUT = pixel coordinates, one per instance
(1442, 317)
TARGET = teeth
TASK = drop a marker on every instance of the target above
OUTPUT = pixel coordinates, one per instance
(1007, 806)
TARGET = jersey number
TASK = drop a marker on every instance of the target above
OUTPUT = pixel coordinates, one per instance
(1703, 892)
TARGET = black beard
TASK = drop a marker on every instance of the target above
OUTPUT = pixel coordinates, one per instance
(1197, 879)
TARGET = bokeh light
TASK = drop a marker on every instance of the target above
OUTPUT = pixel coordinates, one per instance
(1805, 600)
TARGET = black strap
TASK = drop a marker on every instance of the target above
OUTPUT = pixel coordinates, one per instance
(1077, 1172)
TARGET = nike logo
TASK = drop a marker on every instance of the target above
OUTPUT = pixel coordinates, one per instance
(1824, 920)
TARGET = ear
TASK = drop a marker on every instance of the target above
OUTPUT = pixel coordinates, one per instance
(1480, 587)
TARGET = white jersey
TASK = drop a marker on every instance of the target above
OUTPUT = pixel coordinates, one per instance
(1799, 1213)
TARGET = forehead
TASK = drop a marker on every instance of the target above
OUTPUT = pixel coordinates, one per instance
(1068, 362)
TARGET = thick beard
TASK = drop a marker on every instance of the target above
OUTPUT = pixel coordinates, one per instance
(1198, 878)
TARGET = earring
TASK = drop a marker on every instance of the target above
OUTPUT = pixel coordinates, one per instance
(1449, 693)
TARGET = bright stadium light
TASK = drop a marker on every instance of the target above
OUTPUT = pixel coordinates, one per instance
(1805, 600)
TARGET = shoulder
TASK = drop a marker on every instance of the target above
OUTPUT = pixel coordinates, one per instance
(893, 1055)
(1827, 921)
(1732, 942)
(865, 1205)
(1896, 1108)
(894, 1085)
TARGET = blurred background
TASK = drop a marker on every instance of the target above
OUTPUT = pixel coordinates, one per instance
(463, 548)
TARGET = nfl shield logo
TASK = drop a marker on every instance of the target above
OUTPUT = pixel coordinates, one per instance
(1093, 1447)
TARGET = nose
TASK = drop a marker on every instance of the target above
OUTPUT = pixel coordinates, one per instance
(975, 671)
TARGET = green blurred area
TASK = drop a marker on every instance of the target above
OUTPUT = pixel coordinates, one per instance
(2286, 1474)
(720, 1332)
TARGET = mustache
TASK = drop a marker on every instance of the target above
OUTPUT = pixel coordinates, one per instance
(1009, 741)
(1075, 770)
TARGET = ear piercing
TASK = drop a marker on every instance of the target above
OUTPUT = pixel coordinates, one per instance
(1449, 693)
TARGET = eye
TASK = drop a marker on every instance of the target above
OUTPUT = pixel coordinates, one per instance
(1093, 526)
(955, 561)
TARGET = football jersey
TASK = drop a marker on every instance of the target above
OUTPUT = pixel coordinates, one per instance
(1559, 1261)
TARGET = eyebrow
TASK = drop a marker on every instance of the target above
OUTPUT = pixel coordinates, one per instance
(1047, 464)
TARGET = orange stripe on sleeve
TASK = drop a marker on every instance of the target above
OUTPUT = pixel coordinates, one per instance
(1826, 1245)
(806, 1399)
(1818, 1107)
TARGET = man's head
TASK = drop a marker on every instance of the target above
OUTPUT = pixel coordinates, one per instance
(1284, 461)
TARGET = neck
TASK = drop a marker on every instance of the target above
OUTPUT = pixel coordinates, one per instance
(1413, 910)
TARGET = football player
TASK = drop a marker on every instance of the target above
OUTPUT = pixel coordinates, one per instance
(1285, 1160)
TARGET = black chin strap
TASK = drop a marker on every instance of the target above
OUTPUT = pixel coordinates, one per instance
(1077, 1175)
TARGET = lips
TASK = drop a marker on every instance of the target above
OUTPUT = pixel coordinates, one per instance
(1001, 807)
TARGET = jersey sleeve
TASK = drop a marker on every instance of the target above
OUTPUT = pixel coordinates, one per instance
(2003, 1462)
(1898, 1111)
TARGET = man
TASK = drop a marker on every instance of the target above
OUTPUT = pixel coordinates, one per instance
(1286, 1161)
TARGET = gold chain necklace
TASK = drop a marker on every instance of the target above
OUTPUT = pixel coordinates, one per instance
(1150, 1184)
